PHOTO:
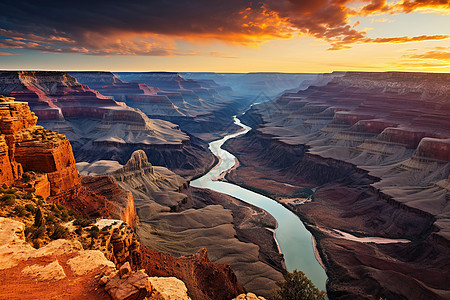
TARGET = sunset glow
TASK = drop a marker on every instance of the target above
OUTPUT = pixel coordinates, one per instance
(236, 36)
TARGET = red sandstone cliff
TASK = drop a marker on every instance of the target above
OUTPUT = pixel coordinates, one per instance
(53, 95)
(47, 159)
(28, 147)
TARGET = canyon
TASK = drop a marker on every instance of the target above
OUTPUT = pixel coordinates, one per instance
(100, 127)
(363, 159)
(147, 196)
(51, 184)
(366, 154)
(200, 107)
(178, 219)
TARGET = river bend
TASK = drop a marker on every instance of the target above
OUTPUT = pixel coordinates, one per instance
(294, 239)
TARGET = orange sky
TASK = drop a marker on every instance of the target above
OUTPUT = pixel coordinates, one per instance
(236, 36)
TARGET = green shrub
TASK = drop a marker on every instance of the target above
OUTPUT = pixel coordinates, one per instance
(81, 222)
(10, 191)
(54, 208)
(64, 216)
(29, 231)
(38, 218)
(59, 232)
(28, 196)
(94, 232)
(51, 219)
(303, 193)
(26, 177)
(296, 286)
(37, 244)
(40, 232)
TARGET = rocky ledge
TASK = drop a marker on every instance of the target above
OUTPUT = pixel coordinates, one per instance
(63, 269)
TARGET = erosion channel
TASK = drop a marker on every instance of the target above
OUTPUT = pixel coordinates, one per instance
(294, 239)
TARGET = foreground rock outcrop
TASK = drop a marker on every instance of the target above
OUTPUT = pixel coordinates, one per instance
(63, 269)
(365, 154)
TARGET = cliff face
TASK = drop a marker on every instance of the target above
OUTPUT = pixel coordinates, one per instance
(109, 84)
(51, 95)
(46, 159)
(33, 148)
(122, 202)
(375, 147)
(201, 107)
(98, 126)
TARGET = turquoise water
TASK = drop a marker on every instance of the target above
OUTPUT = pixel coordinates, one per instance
(293, 238)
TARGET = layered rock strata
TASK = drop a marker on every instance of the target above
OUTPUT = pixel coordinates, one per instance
(49, 165)
(100, 127)
(28, 147)
(201, 107)
(367, 154)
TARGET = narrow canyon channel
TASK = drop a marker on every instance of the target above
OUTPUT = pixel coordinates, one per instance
(294, 239)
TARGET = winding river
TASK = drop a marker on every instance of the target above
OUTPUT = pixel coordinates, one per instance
(294, 239)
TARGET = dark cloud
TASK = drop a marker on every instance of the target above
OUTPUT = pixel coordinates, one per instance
(143, 27)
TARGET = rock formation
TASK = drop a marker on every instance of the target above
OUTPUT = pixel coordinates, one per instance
(180, 220)
(374, 147)
(121, 206)
(63, 269)
(54, 95)
(249, 296)
(118, 243)
(201, 107)
(109, 84)
(46, 159)
(98, 126)
(28, 147)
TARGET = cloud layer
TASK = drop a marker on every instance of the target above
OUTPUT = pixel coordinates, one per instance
(142, 27)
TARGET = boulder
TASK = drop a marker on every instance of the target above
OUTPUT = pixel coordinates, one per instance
(170, 288)
(52, 271)
(135, 286)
